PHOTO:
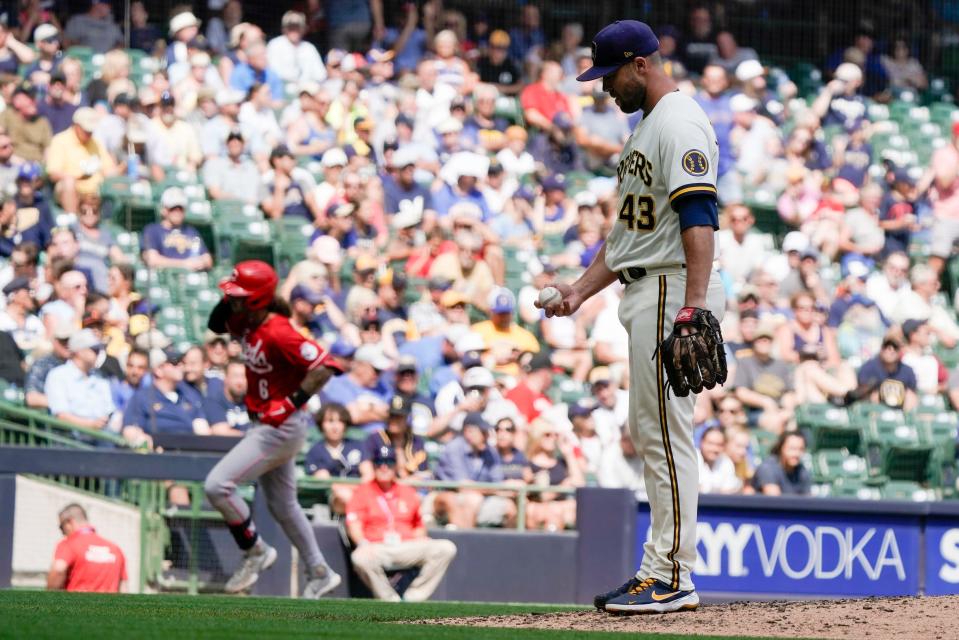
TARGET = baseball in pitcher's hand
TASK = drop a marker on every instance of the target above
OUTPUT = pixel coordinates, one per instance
(571, 302)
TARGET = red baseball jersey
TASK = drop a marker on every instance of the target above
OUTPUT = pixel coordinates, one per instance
(93, 563)
(277, 359)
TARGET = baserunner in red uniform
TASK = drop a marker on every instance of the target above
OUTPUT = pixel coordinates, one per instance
(283, 370)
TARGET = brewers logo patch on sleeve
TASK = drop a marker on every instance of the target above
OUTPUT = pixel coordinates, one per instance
(695, 163)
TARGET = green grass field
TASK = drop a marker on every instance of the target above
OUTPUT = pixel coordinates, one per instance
(35, 615)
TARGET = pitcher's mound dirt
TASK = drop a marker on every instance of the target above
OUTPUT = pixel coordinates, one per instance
(874, 618)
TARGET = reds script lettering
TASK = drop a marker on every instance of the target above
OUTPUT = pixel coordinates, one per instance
(255, 357)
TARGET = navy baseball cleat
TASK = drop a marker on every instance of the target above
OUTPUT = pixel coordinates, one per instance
(600, 601)
(653, 596)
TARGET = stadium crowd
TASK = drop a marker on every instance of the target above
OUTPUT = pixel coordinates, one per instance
(442, 171)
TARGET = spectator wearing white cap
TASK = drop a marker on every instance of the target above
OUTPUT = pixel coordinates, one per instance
(74, 393)
(184, 27)
(214, 131)
(751, 74)
(363, 391)
(46, 37)
(334, 161)
(295, 59)
(95, 28)
(170, 243)
(840, 102)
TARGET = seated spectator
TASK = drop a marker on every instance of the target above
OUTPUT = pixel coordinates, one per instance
(74, 393)
(75, 162)
(729, 55)
(516, 161)
(542, 100)
(12, 366)
(588, 444)
(553, 463)
(259, 123)
(46, 39)
(362, 391)
(622, 466)
(83, 560)
(135, 374)
(923, 302)
(495, 66)
(503, 336)
(853, 155)
(513, 461)
(235, 176)
(783, 472)
(897, 213)
(741, 249)
(29, 131)
(931, 375)
(557, 147)
(738, 452)
(69, 297)
(717, 473)
(887, 288)
(608, 336)
(335, 456)
(765, 385)
(223, 405)
(840, 102)
(97, 246)
(462, 264)
(861, 232)
(407, 385)
(256, 70)
(601, 133)
(55, 107)
(172, 244)
(887, 379)
(467, 459)
(195, 381)
(35, 395)
(398, 435)
(902, 69)
(160, 407)
(177, 137)
(20, 321)
(394, 538)
(293, 58)
(612, 406)
(529, 393)
(287, 190)
(95, 29)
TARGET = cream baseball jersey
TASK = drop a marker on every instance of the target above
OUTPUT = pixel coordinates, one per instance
(671, 154)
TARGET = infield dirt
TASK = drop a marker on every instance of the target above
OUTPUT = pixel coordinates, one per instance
(929, 618)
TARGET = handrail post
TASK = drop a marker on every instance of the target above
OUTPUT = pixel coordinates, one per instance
(521, 495)
(196, 503)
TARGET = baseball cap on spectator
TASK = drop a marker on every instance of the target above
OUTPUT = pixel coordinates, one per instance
(384, 455)
(340, 210)
(581, 408)
(910, 326)
(85, 118)
(449, 125)
(554, 182)
(211, 337)
(475, 419)
(26, 88)
(280, 151)
(83, 339)
(45, 32)
(407, 217)
(471, 359)
(292, 20)
(406, 363)
(18, 283)
(167, 99)
(302, 292)
(452, 298)
(404, 120)
(404, 156)
(901, 176)
(28, 171)
(531, 362)
(848, 72)
(765, 329)
(342, 349)
(160, 357)
(748, 291)
(200, 59)
(372, 354)
(795, 241)
(478, 378)
(226, 97)
(439, 283)
(499, 38)
(618, 43)
(400, 406)
(809, 253)
(585, 199)
(365, 263)
(124, 99)
(173, 197)
(741, 103)
(749, 70)
(333, 157)
(235, 134)
(855, 266)
(514, 132)
(469, 341)
(181, 21)
(600, 375)
(502, 300)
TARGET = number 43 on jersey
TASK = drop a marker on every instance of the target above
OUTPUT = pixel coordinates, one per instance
(638, 212)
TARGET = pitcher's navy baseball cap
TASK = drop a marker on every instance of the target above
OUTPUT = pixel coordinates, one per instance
(618, 43)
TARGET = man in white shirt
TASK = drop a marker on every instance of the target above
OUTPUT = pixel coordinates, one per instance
(294, 59)
(717, 474)
(886, 289)
(740, 250)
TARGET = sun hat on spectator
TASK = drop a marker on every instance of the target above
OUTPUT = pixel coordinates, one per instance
(600, 375)
(334, 157)
(741, 103)
(749, 70)
(151, 338)
(618, 43)
(83, 339)
(226, 97)
(173, 197)
(44, 32)
(478, 378)
(795, 241)
(452, 298)
(181, 21)
(502, 300)
(86, 118)
(372, 354)
(302, 292)
(200, 59)
(292, 20)
(464, 163)
(449, 125)
(848, 72)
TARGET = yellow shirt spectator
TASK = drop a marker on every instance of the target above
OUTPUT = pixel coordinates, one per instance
(505, 339)
(74, 153)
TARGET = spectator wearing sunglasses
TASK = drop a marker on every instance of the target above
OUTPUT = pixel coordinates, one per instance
(74, 393)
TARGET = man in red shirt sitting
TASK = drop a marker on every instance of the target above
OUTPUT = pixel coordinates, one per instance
(83, 560)
(383, 521)
(541, 100)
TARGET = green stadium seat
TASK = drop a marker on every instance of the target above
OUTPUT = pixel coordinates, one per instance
(830, 427)
(830, 464)
(254, 249)
(905, 490)
(850, 487)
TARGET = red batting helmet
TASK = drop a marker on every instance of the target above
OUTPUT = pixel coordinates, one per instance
(254, 280)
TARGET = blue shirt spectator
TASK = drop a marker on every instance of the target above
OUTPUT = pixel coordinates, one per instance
(136, 377)
(170, 243)
(223, 406)
(467, 458)
(340, 461)
(159, 408)
(362, 391)
(255, 71)
(74, 392)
